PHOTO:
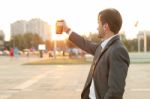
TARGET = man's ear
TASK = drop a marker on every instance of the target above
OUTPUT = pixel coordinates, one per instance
(105, 26)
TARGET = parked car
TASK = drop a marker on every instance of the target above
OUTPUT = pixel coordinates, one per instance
(1, 53)
(6, 53)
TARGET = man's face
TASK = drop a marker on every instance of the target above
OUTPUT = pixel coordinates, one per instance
(100, 28)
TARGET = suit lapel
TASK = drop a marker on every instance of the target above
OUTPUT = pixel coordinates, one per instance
(108, 45)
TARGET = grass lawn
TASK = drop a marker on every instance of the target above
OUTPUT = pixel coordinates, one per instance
(135, 58)
(58, 61)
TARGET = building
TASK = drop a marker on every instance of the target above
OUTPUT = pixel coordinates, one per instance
(35, 25)
(142, 35)
(1, 39)
(40, 27)
(18, 27)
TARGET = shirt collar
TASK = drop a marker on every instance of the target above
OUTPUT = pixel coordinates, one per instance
(104, 43)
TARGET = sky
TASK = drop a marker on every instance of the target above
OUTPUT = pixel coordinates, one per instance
(81, 15)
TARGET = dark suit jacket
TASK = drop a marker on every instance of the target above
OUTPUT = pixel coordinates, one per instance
(109, 68)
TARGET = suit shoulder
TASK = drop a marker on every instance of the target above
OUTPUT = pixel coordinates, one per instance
(118, 46)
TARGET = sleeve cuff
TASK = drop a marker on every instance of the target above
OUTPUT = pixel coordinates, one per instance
(69, 32)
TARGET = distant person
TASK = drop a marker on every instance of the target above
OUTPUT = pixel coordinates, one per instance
(11, 52)
(106, 79)
(16, 52)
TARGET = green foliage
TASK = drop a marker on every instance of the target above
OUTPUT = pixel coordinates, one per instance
(32, 40)
(28, 40)
(1, 37)
(58, 61)
(94, 37)
(49, 44)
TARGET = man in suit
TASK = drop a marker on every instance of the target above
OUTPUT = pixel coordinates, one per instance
(106, 79)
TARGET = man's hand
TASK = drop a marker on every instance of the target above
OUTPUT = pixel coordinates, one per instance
(65, 27)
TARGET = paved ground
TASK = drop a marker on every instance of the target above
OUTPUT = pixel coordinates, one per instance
(60, 81)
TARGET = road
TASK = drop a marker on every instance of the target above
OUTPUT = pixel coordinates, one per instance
(19, 81)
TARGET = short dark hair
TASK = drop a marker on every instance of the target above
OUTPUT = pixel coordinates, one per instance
(113, 18)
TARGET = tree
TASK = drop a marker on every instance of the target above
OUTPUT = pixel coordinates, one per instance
(36, 40)
(124, 40)
(17, 41)
(1, 37)
(49, 45)
(28, 37)
(28, 40)
(148, 43)
(132, 45)
(94, 37)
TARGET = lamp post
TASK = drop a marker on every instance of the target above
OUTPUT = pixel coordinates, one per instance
(143, 36)
(55, 42)
(145, 42)
(55, 46)
(139, 42)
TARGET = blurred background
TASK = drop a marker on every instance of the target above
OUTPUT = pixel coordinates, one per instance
(37, 63)
(27, 24)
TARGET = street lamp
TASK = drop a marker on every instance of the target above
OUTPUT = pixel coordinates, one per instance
(145, 42)
(143, 36)
(139, 37)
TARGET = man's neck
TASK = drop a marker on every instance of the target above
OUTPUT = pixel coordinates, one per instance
(108, 35)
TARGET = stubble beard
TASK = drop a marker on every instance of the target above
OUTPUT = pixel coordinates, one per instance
(100, 35)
